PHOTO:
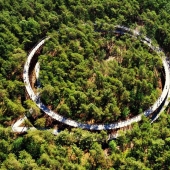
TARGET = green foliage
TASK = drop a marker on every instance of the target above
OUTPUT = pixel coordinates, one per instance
(88, 74)
(102, 87)
(145, 146)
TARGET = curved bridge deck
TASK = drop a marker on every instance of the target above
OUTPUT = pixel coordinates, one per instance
(162, 99)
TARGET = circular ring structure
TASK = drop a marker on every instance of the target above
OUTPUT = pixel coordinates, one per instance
(160, 104)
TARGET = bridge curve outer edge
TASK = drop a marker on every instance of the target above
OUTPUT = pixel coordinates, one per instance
(115, 125)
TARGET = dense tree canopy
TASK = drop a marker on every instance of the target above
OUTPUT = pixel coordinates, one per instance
(146, 146)
(88, 74)
(118, 78)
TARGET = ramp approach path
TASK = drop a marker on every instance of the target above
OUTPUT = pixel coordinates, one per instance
(158, 106)
(16, 127)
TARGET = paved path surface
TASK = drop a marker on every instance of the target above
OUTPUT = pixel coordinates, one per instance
(37, 70)
(157, 105)
(16, 126)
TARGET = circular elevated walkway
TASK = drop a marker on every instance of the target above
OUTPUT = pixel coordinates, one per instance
(160, 104)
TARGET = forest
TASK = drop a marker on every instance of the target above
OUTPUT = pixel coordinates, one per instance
(119, 79)
(88, 74)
